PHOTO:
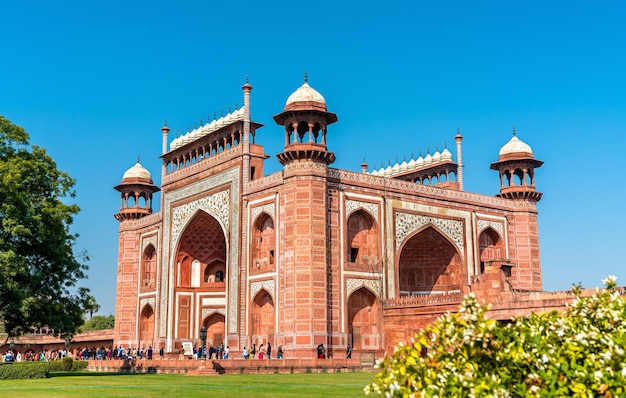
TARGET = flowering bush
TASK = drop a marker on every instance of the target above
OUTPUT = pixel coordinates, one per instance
(578, 353)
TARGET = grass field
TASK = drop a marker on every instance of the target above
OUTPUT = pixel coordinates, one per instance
(96, 385)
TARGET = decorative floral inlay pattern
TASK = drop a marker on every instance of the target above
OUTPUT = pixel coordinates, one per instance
(268, 208)
(146, 301)
(152, 240)
(206, 312)
(217, 205)
(482, 224)
(408, 223)
(352, 205)
(268, 285)
(353, 284)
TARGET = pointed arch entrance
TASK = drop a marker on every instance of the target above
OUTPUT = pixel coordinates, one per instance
(263, 246)
(364, 320)
(363, 240)
(200, 267)
(490, 247)
(215, 329)
(262, 326)
(146, 325)
(428, 263)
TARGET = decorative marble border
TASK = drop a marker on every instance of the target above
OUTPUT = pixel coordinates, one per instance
(352, 205)
(146, 301)
(267, 208)
(353, 284)
(206, 312)
(232, 177)
(407, 223)
(441, 193)
(151, 240)
(268, 285)
(217, 205)
(497, 226)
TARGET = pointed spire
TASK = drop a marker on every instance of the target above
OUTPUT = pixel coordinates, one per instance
(214, 115)
(138, 158)
(306, 77)
(165, 123)
(237, 105)
(514, 133)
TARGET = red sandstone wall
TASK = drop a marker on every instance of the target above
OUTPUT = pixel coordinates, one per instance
(524, 251)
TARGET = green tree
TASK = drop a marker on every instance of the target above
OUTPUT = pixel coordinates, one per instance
(39, 270)
(90, 305)
(578, 353)
(99, 322)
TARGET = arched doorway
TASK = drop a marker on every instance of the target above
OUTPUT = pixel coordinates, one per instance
(428, 263)
(263, 245)
(363, 240)
(490, 247)
(215, 325)
(262, 317)
(146, 325)
(200, 253)
(148, 269)
(363, 320)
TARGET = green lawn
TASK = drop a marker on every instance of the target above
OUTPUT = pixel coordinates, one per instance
(96, 385)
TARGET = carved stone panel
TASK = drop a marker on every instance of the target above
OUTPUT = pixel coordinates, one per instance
(353, 284)
(268, 285)
(371, 208)
(407, 223)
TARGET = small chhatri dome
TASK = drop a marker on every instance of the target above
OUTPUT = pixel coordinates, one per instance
(305, 93)
(306, 97)
(137, 171)
(515, 145)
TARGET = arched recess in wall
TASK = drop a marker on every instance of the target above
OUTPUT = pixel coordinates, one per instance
(148, 268)
(428, 263)
(262, 318)
(263, 248)
(146, 325)
(204, 243)
(363, 240)
(216, 328)
(491, 247)
(363, 320)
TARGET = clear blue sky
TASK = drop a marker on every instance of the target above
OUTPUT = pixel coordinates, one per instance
(93, 82)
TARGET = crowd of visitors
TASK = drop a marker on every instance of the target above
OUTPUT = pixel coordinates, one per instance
(101, 353)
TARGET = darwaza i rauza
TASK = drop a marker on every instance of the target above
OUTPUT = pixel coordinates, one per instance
(312, 254)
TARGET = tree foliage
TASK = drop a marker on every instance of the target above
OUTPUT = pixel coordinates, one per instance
(90, 305)
(38, 267)
(98, 322)
(578, 353)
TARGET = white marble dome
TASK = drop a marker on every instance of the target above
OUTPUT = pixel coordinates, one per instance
(515, 145)
(137, 171)
(305, 93)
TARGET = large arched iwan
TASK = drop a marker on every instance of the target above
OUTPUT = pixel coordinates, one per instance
(428, 263)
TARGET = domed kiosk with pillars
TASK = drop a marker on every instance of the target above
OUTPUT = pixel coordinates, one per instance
(311, 254)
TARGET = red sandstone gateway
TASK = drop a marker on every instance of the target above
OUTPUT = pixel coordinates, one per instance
(311, 254)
